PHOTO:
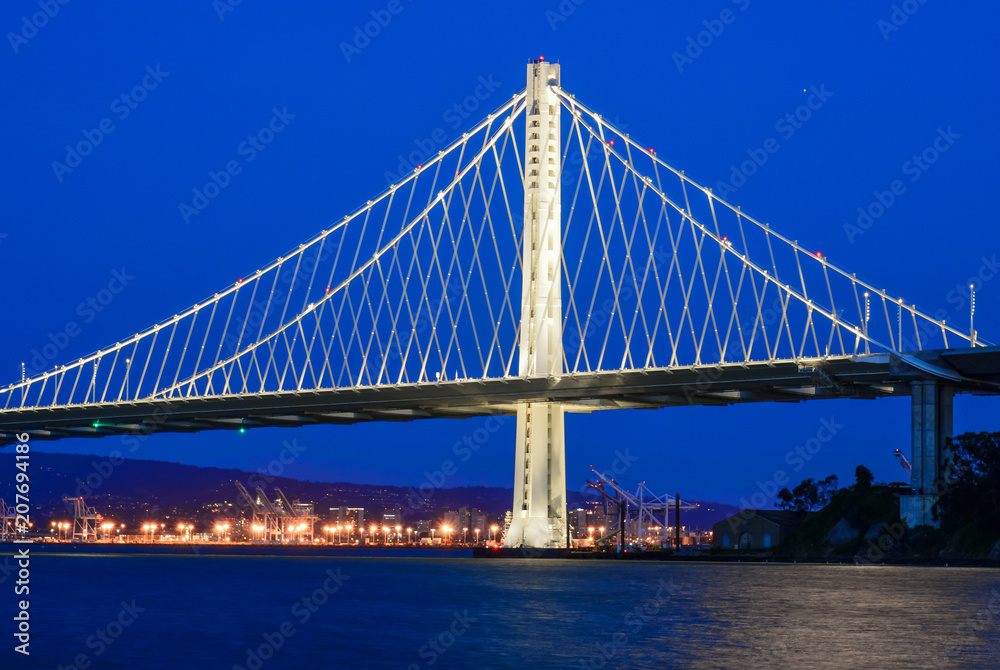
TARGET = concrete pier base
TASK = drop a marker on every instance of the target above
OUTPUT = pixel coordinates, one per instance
(931, 427)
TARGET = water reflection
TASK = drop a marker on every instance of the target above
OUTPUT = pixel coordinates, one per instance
(447, 613)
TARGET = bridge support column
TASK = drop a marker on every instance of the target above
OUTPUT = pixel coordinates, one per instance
(539, 511)
(931, 426)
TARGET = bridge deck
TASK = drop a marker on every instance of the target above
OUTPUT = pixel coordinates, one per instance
(870, 376)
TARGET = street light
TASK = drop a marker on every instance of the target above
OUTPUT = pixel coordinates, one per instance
(348, 528)
(373, 530)
(398, 529)
(60, 527)
(185, 528)
(465, 536)
(477, 537)
(409, 532)
(447, 532)
(494, 529)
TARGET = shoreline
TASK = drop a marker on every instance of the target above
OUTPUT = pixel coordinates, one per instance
(307, 551)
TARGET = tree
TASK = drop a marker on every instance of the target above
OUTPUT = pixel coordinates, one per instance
(827, 489)
(972, 484)
(863, 478)
(808, 496)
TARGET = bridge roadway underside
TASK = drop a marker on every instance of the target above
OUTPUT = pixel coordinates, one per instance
(867, 376)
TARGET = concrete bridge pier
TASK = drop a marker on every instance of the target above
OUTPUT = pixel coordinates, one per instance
(931, 426)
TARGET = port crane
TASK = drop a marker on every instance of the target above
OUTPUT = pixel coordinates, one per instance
(8, 519)
(904, 463)
(646, 504)
(295, 519)
(85, 519)
(265, 517)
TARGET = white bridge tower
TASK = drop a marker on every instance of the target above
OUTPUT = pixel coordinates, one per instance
(539, 512)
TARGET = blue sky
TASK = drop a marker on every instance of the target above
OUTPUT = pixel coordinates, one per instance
(103, 248)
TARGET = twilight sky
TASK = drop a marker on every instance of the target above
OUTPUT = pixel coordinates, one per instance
(96, 247)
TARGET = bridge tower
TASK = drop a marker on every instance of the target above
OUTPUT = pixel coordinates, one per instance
(931, 427)
(539, 511)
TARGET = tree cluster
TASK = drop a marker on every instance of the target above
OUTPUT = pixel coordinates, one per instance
(972, 482)
(808, 496)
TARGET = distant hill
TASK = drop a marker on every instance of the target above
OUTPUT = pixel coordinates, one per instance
(134, 488)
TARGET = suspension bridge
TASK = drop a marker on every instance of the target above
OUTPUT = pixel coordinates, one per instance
(545, 262)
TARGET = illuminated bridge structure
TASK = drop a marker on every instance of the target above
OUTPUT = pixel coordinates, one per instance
(545, 262)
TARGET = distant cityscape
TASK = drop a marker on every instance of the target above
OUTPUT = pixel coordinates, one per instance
(280, 521)
(79, 499)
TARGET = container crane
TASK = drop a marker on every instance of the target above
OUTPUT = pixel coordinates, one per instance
(643, 500)
(85, 519)
(294, 521)
(904, 463)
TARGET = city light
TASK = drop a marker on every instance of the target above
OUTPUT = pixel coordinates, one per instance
(222, 529)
